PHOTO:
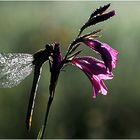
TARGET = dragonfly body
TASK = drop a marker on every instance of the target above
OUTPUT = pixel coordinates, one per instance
(15, 67)
(39, 58)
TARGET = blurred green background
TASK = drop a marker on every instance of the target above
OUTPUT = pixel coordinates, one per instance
(27, 26)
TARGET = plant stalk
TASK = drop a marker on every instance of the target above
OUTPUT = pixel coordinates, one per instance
(46, 116)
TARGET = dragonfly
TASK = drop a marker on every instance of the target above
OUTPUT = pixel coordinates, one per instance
(15, 67)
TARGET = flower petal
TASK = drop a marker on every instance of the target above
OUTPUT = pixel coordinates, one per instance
(98, 86)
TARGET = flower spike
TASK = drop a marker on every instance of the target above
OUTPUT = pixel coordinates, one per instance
(96, 70)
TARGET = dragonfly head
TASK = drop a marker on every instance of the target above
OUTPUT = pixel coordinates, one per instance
(49, 48)
(43, 55)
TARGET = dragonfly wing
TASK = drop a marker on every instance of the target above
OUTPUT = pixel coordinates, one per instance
(14, 67)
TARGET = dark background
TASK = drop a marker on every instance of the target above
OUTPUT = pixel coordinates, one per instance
(27, 26)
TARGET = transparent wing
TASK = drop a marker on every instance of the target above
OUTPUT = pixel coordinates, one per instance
(14, 67)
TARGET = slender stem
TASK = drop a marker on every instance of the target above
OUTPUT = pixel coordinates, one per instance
(46, 116)
(70, 46)
(51, 97)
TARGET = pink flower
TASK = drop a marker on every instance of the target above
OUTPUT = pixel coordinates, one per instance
(108, 54)
(96, 72)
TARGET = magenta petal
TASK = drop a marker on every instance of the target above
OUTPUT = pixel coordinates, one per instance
(108, 54)
(96, 72)
(113, 54)
(98, 86)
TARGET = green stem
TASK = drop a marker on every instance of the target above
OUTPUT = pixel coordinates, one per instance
(70, 46)
(46, 116)
(51, 97)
